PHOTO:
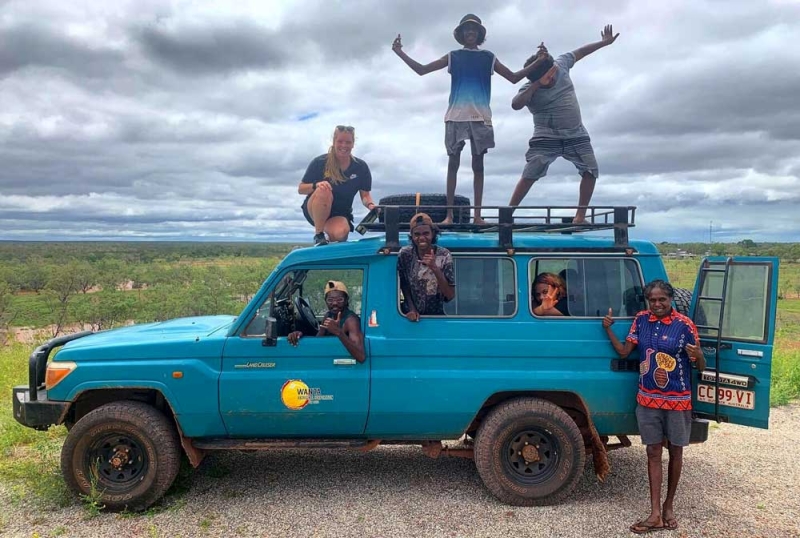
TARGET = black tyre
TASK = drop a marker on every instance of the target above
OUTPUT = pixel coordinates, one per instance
(437, 215)
(683, 300)
(128, 453)
(529, 452)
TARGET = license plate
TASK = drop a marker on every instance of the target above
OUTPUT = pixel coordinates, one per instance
(743, 399)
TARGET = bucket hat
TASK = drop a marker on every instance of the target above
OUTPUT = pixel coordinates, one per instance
(469, 17)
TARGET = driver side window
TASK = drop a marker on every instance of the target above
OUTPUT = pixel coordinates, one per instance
(300, 287)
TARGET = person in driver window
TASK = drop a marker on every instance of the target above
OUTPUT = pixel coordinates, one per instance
(339, 321)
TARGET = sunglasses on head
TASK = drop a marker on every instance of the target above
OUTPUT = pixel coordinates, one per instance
(348, 128)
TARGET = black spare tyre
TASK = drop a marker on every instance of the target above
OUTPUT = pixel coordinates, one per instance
(461, 213)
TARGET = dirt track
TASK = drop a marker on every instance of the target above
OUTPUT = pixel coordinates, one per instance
(742, 482)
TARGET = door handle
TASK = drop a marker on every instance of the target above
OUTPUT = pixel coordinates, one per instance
(343, 362)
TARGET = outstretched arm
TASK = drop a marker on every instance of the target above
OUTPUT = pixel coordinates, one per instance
(514, 77)
(607, 37)
(441, 63)
(524, 97)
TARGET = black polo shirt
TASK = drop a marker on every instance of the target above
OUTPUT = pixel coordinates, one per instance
(358, 177)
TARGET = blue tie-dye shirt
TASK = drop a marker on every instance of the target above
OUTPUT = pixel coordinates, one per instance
(470, 85)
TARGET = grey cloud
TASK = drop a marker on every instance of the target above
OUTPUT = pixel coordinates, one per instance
(206, 50)
(30, 46)
(188, 127)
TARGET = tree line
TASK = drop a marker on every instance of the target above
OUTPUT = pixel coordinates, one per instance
(101, 285)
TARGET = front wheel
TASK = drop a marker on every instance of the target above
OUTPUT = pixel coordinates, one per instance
(126, 454)
(529, 452)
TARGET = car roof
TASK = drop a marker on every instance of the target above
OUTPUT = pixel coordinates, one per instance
(465, 242)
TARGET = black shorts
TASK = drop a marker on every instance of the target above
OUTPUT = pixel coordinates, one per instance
(348, 215)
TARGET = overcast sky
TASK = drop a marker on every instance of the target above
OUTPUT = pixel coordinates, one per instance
(175, 120)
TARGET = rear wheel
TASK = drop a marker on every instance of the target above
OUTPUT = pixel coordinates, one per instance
(437, 215)
(529, 452)
(125, 453)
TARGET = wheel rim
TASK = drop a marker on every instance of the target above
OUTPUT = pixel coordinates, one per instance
(120, 461)
(532, 456)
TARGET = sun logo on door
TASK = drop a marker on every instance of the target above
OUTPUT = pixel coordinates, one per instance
(295, 394)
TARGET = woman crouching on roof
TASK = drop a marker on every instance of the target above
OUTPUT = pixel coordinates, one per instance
(330, 184)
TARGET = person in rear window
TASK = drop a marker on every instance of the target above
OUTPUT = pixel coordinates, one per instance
(549, 295)
(668, 346)
(427, 278)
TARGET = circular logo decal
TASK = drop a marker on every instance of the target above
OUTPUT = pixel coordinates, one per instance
(294, 394)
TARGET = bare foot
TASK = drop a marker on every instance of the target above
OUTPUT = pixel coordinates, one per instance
(448, 220)
(579, 220)
(478, 220)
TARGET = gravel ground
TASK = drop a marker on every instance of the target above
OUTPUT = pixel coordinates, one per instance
(742, 482)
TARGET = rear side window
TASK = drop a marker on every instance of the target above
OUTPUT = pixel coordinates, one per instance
(485, 287)
(596, 284)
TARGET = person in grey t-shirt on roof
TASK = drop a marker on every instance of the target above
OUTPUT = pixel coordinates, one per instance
(558, 128)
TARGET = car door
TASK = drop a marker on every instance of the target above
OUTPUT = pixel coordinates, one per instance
(733, 306)
(314, 389)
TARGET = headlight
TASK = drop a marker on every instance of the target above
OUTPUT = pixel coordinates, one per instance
(56, 371)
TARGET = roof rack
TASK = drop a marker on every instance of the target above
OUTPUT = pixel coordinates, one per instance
(505, 221)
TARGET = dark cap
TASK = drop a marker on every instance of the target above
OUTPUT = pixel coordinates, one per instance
(420, 219)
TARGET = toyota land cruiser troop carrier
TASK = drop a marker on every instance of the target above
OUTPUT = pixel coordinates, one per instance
(530, 397)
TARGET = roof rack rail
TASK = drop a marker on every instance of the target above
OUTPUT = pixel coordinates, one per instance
(505, 221)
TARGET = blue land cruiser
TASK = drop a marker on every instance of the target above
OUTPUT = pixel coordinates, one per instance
(530, 396)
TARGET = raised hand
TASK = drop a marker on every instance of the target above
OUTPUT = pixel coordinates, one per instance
(332, 325)
(607, 35)
(429, 259)
(397, 44)
(549, 300)
(608, 320)
(548, 77)
(694, 351)
(542, 50)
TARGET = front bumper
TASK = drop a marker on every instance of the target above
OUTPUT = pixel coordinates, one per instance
(38, 414)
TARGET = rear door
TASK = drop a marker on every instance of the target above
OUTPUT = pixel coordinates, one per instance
(733, 306)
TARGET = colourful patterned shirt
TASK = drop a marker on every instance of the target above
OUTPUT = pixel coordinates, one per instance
(664, 366)
(470, 85)
(420, 281)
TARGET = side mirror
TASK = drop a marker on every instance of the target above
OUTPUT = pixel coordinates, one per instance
(270, 336)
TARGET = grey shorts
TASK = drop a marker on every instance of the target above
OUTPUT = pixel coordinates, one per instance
(456, 133)
(543, 151)
(655, 425)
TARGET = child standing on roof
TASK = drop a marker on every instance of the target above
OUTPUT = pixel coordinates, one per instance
(558, 130)
(468, 115)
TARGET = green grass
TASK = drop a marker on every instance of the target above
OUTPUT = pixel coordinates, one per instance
(29, 459)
